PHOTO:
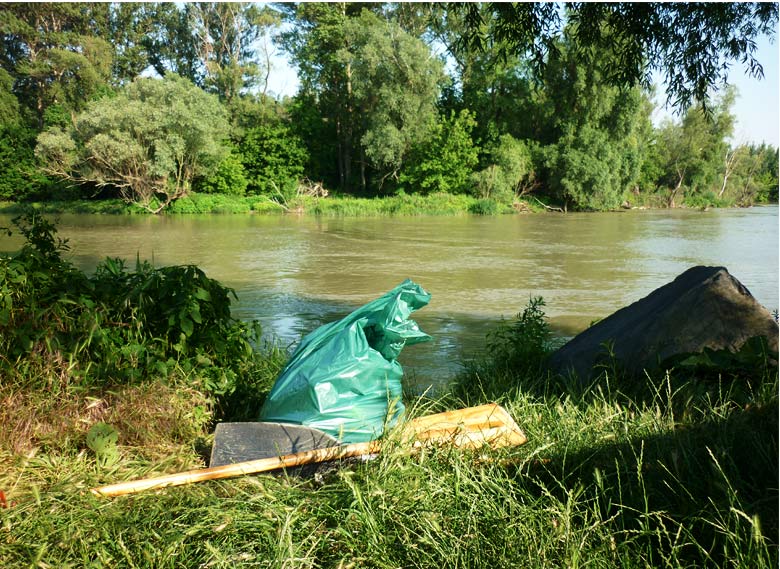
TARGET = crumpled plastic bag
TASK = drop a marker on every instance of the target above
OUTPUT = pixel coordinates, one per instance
(343, 378)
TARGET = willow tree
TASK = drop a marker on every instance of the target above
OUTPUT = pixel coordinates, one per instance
(373, 83)
(149, 141)
(693, 44)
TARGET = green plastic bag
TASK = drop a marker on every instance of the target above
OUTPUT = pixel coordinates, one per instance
(344, 378)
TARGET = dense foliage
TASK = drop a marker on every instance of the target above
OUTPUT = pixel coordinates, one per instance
(118, 326)
(502, 102)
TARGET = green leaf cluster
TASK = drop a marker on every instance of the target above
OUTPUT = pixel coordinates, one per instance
(273, 158)
(117, 325)
(509, 172)
(229, 177)
(444, 161)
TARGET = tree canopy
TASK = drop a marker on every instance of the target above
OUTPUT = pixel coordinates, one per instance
(498, 100)
(694, 44)
(150, 141)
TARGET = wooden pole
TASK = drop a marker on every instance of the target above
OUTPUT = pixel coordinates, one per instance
(465, 428)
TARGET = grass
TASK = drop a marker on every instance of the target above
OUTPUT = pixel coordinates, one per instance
(669, 473)
(332, 206)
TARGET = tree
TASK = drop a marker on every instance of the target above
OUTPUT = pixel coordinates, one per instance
(226, 33)
(445, 159)
(150, 141)
(691, 152)
(396, 84)
(20, 176)
(55, 53)
(592, 134)
(694, 44)
(755, 175)
(374, 85)
(493, 83)
(510, 170)
(170, 44)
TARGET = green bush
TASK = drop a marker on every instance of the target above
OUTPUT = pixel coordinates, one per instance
(273, 159)
(117, 326)
(210, 203)
(484, 206)
(445, 161)
(509, 170)
(229, 177)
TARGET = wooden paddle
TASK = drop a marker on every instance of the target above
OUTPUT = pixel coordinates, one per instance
(472, 427)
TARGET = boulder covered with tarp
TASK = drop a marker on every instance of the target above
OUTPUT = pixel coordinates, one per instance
(344, 378)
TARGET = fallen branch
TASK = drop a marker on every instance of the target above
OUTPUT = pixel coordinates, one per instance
(545, 206)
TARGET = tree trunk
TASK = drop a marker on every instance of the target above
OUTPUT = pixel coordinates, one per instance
(681, 177)
(348, 133)
(731, 163)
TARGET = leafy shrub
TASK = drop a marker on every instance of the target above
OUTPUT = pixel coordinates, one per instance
(445, 161)
(21, 178)
(273, 158)
(229, 177)
(117, 326)
(524, 343)
(515, 354)
(509, 172)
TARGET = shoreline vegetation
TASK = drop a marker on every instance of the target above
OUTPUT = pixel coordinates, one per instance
(334, 206)
(423, 109)
(122, 375)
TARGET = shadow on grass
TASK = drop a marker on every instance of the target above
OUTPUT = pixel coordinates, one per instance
(705, 491)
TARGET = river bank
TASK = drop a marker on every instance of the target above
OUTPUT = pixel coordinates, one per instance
(399, 205)
(677, 470)
(332, 206)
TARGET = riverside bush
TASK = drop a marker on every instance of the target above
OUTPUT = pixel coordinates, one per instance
(117, 326)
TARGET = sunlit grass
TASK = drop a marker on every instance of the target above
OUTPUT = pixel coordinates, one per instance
(605, 480)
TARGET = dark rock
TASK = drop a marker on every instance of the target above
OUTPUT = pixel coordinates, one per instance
(704, 307)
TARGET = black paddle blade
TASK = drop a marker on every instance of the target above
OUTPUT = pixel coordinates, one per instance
(241, 442)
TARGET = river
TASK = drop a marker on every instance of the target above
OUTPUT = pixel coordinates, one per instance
(295, 273)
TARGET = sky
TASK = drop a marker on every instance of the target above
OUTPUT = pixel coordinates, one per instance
(757, 108)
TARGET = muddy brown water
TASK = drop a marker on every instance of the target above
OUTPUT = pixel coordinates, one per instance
(295, 273)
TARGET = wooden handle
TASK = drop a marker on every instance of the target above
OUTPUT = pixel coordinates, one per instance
(465, 428)
(239, 468)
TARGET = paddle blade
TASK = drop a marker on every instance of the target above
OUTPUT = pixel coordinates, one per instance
(473, 427)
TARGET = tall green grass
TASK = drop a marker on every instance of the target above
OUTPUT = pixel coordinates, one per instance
(599, 484)
(397, 205)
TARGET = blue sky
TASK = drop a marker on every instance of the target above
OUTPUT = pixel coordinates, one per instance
(758, 103)
(757, 107)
